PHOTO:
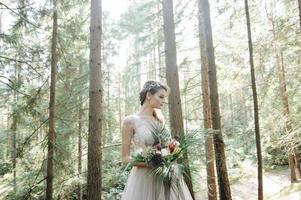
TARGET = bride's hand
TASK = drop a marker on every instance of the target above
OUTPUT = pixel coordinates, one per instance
(142, 165)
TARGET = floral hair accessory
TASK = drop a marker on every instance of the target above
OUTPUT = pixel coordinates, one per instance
(152, 85)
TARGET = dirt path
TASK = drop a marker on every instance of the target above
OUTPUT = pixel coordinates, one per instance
(273, 184)
(4, 189)
(276, 185)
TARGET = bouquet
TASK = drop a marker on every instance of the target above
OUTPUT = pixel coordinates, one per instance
(166, 156)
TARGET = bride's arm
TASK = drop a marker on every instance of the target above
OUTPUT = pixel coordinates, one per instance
(127, 134)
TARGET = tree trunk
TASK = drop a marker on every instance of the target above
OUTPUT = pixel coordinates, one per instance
(161, 72)
(297, 164)
(8, 147)
(172, 77)
(231, 107)
(211, 179)
(289, 121)
(284, 100)
(79, 159)
(119, 102)
(1, 27)
(255, 102)
(299, 6)
(243, 110)
(220, 158)
(14, 126)
(286, 112)
(95, 102)
(109, 118)
(154, 59)
(51, 133)
(14, 139)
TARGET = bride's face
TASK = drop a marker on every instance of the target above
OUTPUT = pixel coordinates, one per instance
(157, 100)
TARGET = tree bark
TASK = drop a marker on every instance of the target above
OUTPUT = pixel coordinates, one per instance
(297, 164)
(289, 122)
(95, 102)
(161, 72)
(8, 147)
(299, 8)
(80, 124)
(284, 100)
(119, 101)
(209, 149)
(243, 110)
(282, 87)
(14, 138)
(51, 133)
(220, 158)
(255, 103)
(0, 26)
(292, 156)
(172, 77)
(109, 118)
(231, 107)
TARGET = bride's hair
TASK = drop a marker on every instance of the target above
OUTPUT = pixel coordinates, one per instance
(152, 87)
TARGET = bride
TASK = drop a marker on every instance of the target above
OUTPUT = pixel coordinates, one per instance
(136, 130)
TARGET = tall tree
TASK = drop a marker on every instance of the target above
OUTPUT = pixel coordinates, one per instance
(119, 102)
(79, 144)
(172, 77)
(294, 162)
(220, 158)
(51, 133)
(284, 99)
(299, 8)
(95, 102)
(14, 126)
(209, 149)
(255, 103)
(0, 21)
(159, 43)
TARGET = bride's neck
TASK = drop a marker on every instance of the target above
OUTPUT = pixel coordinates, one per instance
(146, 110)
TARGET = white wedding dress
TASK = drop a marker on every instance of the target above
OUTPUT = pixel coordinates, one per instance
(141, 185)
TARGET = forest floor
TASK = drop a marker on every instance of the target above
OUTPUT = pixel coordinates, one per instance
(243, 180)
(276, 184)
(4, 189)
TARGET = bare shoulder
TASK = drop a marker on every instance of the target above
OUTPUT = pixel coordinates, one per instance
(128, 121)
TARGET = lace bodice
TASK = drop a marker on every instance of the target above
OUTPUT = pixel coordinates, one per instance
(142, 136)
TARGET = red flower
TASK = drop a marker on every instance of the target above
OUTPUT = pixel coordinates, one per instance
(171, 146)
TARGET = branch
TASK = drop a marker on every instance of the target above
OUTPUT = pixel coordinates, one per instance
(111, 145)
(18, 8)
(21, 61)
(25, 19)
(32, 100)
(28, 138)
(12, 86)
(34, 184)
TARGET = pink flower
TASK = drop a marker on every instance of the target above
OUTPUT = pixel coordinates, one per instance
(157, 146)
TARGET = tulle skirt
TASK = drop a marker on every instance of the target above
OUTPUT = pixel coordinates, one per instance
(142, 185)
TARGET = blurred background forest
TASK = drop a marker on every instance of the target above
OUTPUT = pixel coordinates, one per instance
(133, 51)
